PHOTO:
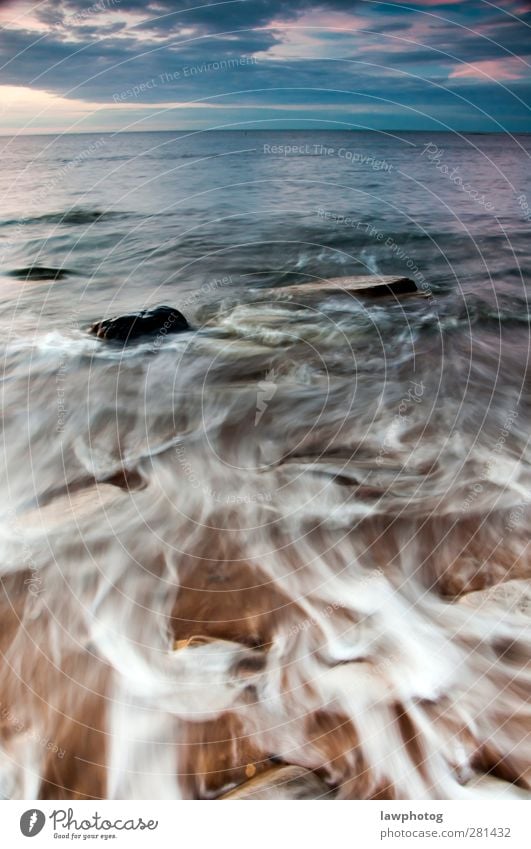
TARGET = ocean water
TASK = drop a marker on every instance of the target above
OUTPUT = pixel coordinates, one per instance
(284, 553)
(133, 218)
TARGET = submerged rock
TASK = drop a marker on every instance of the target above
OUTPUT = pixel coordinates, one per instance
(127, 328)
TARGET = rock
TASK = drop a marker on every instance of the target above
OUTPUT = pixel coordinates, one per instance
(127, 328)
(512, 596)
(372, 285)
(39, 272)
(281, 782)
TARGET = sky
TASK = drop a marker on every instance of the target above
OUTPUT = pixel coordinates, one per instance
(115, 65)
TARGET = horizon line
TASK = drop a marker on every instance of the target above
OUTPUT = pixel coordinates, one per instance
(272, 130)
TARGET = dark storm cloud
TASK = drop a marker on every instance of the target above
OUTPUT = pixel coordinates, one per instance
(211, 15)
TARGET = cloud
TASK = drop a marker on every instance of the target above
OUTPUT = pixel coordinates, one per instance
(499, 70)
(23, 107)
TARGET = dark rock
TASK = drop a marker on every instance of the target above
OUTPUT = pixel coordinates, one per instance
(39, 272)
(127, 328)
(372, 285)
(126, 479)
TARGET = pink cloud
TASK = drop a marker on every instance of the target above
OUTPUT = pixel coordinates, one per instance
(510, 68)
(306, 35)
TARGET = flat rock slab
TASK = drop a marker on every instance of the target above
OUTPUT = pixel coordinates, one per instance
(512, 596)
(71, 506)
(282, 782)
(372, 285)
